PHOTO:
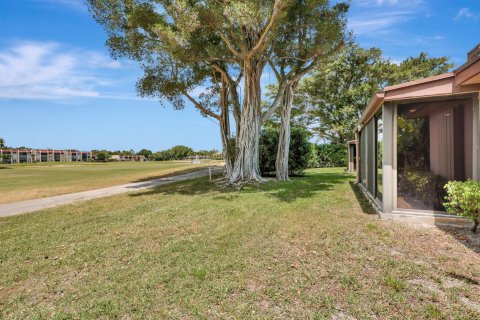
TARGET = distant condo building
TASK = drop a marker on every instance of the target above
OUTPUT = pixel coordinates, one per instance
(37, 155)
(127, 157)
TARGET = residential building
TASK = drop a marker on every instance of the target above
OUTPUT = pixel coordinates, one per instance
(415, 137)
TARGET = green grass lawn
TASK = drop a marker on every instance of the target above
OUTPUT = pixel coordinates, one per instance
(199, 250)
(36, 180)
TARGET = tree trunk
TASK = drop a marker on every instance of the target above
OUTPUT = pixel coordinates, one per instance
(225, 133)
(236, 108)
(247, 168)
(281, 163)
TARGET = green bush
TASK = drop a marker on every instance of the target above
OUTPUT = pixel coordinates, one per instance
(102, 156)
(299, 152)
(163, 155)
(463, 199)
(180, 152)
(175, 153)
(330, 155)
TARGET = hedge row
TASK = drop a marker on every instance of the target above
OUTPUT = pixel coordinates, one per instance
(303, 154)
(328, 155)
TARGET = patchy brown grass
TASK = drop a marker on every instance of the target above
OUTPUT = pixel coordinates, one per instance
(300, 249)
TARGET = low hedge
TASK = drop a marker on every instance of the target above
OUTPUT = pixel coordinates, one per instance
(328, 155)
(299, 152)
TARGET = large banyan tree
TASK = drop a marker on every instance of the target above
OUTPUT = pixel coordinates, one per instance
(187, 44)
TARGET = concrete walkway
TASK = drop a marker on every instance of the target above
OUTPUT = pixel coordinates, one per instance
(14, 208)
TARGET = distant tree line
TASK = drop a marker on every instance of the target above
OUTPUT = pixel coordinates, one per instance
(181, 152)
(178, 152)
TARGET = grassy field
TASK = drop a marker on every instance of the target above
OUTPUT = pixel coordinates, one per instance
(37, 180)
(199, 250)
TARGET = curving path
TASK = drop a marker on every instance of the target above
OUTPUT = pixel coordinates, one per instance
(14, 208)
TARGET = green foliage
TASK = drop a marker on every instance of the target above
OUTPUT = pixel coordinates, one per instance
(162, 155)
(336, 94)
(146, 153)
(338, 91)
(2, 143)
(413, 143)
(103, 156)
(180, 152)
(299, 152)
(175, 153)
(463, 199)
(329, 155)
(268, 150)
(414, 68)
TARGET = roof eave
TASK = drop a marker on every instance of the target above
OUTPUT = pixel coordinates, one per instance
(375, 102)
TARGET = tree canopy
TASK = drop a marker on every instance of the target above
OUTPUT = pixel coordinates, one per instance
(184, 44)
(335, 94)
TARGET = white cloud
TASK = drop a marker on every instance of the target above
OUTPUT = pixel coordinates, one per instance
(73, 4)
(465, 13)
(46, 70)
(378, 23)
(379, 17)
(412, 4)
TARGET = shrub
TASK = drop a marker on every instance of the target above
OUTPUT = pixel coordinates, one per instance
(313, 161)
(299, 152)
(268, 150)
(463, 199)
(162, 155)
(331, 155)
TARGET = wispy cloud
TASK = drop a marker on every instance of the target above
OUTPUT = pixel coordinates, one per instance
(378, 23)
(412, 4)
(374, 17)
(73, 4)
(46, 70)
(465, 13)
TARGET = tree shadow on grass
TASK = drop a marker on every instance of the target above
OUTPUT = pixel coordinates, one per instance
(175, 173)
(5, 167)
(464, 235)
(304, 187)
(362, 200)
(287, 191)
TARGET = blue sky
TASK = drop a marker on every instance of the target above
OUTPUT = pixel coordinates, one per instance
(60, 89)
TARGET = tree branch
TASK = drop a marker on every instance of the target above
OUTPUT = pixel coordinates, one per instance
(276, 102)
(279, 78)
(261, 43)
(230, 45)
(200, 107)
